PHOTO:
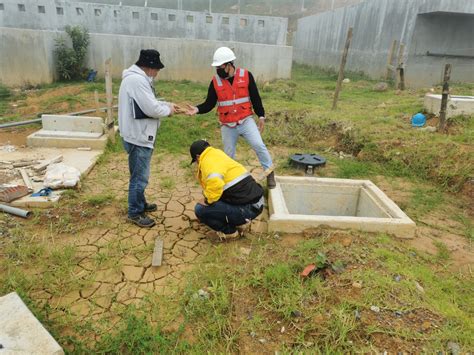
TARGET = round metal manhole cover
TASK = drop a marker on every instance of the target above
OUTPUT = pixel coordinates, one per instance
(307, 161)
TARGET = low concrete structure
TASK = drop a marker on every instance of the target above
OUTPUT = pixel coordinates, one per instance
(185, 59)
(21, 332)
(457, 105)
(299, 203)
(64, 131)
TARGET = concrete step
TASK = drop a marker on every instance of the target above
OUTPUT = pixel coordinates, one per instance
(63, 141)
(67, 134)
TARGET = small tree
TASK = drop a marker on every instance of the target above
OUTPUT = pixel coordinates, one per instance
(70, 61)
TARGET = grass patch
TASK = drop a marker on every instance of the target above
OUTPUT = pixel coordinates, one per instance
(167, 183)
(100, 199)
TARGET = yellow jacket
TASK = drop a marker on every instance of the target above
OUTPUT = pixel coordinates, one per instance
(217, 171)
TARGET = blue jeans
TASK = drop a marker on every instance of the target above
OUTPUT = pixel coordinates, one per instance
(139, 159)
(223, 217)
(251, 134)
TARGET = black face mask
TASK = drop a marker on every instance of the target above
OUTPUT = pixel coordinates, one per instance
(221, 72)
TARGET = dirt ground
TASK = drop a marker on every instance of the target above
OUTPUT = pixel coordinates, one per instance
(16, 135)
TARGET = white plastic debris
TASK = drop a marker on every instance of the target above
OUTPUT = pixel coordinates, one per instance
(8, 148)
(61, 175)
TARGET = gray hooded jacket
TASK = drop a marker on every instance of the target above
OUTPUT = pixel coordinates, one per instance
(137, 86)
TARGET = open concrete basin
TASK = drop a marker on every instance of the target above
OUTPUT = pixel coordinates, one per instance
(299, 203)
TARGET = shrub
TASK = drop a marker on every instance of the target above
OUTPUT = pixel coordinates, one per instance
(70, 61)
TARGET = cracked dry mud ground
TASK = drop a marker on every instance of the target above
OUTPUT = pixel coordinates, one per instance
(112, 260)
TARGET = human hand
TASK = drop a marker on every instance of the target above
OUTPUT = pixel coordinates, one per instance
(261, 124)
(191, 110)
(172, 108)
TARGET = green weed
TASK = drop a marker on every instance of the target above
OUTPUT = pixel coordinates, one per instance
(100, 199)
(167, 183)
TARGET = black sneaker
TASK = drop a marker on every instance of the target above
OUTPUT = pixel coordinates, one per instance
(142, 221)
(150, 207)
(271, 183)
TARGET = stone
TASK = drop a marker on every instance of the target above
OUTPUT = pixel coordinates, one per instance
(397, 278)
(346, 81)
(453, 348)
(419, 287)
(21, 332)
(375, 309)
(202, 294)
(346, 242)
(381, 87)
(356, 285)
(426, 325)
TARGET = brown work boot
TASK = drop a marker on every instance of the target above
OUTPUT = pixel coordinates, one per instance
(271, 183)
(244, 228)
(227, 237)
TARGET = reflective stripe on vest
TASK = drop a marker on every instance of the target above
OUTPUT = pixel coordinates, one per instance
(236, 180)
(233, 102)
(213, 175)
(219, 81)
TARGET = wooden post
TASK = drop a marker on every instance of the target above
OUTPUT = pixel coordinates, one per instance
(109, 121)
(341, 68)
(444, 98)
(401, 52)
(390, 67)
(96, 101)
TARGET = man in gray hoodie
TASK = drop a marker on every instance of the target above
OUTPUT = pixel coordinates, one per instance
(139, 115)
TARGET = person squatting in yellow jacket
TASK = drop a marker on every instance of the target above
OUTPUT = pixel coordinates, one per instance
(232, 198)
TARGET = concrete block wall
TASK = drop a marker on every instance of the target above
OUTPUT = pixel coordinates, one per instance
(26, 56)
(320, 38)
(142, 21)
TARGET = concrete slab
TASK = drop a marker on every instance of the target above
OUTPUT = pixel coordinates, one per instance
(84, 161)
(21, 332)
(72, 123)
(298, 203)
(457, 105)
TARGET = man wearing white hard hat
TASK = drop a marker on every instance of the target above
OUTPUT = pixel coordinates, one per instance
(236, 94)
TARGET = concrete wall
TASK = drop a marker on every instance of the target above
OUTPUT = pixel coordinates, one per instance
(142, 21)
(320, 38)
(26, 56)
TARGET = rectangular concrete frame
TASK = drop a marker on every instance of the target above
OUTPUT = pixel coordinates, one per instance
(457, 105)
(21, 332)
(348, 204)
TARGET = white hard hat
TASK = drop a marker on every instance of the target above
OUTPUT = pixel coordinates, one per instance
(222, 55)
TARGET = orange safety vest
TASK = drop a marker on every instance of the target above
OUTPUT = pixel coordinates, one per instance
(233, 101)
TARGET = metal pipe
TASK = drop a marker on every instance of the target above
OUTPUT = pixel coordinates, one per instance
(430, 54)
(15, 211)
(22, 123)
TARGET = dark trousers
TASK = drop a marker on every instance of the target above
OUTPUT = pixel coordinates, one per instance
(224, 217)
